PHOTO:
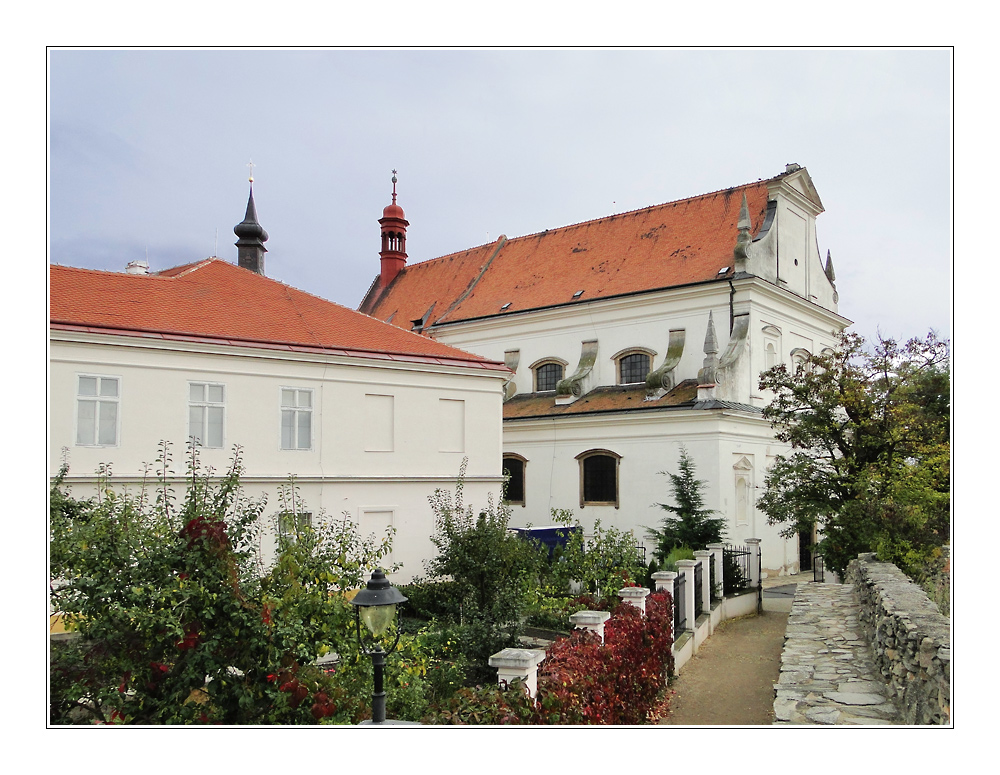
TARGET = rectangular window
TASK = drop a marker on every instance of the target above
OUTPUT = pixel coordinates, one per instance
(207, 413)
(97, 411)
(296, 418)
(291, 525)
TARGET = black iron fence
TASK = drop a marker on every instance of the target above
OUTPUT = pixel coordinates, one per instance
(699, 583)
(735, 569)
(680, 615)
(714, 590)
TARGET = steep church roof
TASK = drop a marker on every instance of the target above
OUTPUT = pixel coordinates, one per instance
(213, 300)
(678, 243)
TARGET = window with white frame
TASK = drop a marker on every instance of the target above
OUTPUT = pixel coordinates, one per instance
(207, 413)
(97, 400)
(296, 418)
(291, 525)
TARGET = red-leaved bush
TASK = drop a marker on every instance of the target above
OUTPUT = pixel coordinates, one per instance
(584, 681)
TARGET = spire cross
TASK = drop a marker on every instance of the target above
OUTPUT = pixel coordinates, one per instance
(251, 165)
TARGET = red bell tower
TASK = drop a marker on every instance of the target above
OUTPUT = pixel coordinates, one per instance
(393, 253)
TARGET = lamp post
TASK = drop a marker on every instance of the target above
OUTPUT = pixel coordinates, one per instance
(376, 606)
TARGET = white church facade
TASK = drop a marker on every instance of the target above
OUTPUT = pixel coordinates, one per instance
(630, 337)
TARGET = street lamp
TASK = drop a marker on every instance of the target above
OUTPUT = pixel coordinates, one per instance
(376, 606)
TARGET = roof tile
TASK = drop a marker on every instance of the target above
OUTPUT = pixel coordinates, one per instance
(678, 243)
(215, 301)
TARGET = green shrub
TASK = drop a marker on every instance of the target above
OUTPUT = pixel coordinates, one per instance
(675, 554)
(179, 620)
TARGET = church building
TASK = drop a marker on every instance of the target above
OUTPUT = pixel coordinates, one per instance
(632, 336)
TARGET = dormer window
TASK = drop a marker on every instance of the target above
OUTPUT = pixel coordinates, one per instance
(633, 367)
(547, 375)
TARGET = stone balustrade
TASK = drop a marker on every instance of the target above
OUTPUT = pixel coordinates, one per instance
(910, 638)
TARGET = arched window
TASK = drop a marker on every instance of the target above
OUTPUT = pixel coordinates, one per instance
(770, 356)
(632, 365)
(547, 374)
(599, 478)
(513, 469)
(799, 357)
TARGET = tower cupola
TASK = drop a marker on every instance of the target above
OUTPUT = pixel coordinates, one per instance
(393, 253)
(250, 245)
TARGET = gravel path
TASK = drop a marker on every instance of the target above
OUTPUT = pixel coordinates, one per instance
(731, 678)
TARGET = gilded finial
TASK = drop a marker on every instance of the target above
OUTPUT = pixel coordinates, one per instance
(251, 165)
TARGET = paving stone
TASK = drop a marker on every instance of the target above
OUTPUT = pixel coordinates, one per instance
(852, 698)
(827, 675)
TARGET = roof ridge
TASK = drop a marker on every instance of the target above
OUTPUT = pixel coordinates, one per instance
(649, 207)
(598, 220)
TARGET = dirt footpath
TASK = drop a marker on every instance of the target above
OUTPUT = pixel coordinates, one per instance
(731, 678)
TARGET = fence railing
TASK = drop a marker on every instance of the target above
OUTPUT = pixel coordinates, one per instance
(736, 573)
(680, 615)
(715, 591)
(818, 569)
(699, 582)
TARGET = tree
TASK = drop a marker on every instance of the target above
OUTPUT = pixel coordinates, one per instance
(602, 564)
(179, 620)
(491, 567)
(691, 524)
(870, 449)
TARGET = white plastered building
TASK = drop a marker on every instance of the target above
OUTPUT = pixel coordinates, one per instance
(369, 422)
(631, 336)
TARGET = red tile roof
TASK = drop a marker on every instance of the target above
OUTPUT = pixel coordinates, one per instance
(678, 243)
(601, 399)
(214, 300)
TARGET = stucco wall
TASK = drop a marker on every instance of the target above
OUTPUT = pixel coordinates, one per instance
(367, 456)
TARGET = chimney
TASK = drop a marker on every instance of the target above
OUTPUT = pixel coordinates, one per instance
(137, 267)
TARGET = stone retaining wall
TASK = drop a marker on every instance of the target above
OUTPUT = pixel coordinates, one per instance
(910, 638)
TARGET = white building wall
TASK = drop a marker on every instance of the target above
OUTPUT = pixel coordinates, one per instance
(358, 462)
(649, 444)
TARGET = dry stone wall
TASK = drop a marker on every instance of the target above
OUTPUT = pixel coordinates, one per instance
(909, 636)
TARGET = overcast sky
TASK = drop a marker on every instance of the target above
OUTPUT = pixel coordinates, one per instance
(149, 152)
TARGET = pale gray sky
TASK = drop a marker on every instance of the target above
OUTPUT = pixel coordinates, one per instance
(148, 153)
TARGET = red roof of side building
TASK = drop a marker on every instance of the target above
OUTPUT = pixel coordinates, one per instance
(216, 300)
(678, 243)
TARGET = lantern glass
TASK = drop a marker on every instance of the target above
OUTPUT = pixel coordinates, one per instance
(377, 618)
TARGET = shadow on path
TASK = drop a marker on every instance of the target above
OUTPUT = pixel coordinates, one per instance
(731, 678)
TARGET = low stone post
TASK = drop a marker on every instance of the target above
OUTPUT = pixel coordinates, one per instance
(705, 557)
(687, 568)
(518, 663)
(590, 620)
(636, 596)
(754, 545)
(717, 550)
(664, 580)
